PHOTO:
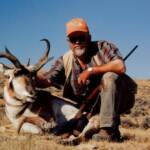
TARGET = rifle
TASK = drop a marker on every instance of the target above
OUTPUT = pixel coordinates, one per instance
(77, 124)
(126, 57)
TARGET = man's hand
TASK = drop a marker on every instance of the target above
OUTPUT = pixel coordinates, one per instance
(84, 76)
(42, 81)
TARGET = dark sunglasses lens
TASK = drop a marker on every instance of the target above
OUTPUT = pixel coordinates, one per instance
(80, 39)
(72, 39)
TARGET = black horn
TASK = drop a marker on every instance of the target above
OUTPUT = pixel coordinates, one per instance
(44, 59)
(7, 54)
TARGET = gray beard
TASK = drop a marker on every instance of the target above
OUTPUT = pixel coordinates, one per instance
(78, 52)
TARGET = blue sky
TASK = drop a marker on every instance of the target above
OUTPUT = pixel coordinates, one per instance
(125, 23)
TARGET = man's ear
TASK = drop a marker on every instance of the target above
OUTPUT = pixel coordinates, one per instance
(89, 37)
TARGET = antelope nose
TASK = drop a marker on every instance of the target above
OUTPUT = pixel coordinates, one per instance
(32, 94)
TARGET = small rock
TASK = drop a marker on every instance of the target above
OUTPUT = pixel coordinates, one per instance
(146, 123)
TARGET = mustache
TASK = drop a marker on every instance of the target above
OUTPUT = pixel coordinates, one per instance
(79, 51)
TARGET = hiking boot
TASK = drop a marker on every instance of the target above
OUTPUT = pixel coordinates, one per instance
(91, 132)
(108, 134)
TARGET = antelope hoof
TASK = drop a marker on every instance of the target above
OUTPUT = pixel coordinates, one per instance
(47, 126)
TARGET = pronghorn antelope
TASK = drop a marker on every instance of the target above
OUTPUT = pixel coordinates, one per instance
(27, 108)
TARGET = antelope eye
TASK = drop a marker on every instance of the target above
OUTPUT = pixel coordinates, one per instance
(17, 73)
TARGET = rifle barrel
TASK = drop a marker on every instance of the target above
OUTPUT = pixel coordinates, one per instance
(130, 52)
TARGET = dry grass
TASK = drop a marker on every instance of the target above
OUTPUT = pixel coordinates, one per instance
(135, 140)
(135, 129)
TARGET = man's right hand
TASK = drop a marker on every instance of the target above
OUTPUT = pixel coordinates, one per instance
(42, 81)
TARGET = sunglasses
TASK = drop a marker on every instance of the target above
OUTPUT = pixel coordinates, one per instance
(77, 39)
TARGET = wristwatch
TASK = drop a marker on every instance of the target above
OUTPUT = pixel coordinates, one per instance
(90, 69)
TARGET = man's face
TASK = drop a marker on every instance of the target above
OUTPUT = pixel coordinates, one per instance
(78, 43)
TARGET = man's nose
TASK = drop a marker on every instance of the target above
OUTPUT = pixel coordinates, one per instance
(77, 42)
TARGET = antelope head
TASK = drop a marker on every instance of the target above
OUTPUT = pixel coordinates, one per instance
(22, 77)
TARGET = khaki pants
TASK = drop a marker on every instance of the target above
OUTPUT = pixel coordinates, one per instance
(117, 96)
(108, 115)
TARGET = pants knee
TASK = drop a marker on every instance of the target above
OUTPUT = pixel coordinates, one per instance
(110, 76)
(108, 79)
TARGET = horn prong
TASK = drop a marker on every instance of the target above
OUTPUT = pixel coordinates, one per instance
(44, 59)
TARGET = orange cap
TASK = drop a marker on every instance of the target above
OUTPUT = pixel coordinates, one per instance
(76, 24)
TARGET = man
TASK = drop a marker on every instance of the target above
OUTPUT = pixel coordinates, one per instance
(90, 71)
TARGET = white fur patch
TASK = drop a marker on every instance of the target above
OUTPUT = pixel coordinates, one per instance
(10, 99)
(28, 127)
(20, 87)
(69, 111)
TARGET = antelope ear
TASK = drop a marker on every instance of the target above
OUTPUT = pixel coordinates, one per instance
(9, 73)
(6, 70)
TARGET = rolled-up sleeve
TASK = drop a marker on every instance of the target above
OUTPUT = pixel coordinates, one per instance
(108, 51)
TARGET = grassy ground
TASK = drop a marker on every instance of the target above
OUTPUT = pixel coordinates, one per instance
(135, 129)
